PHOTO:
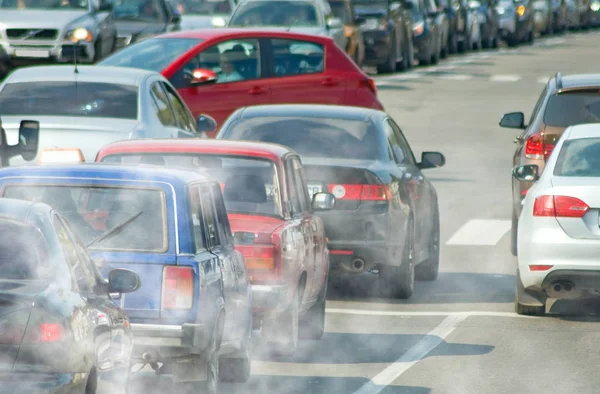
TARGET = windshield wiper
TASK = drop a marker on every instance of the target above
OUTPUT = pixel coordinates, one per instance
(115, 230)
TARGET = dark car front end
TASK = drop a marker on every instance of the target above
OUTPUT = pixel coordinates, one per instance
(376, 28)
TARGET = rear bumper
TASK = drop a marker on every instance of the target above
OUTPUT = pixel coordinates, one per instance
(167, 341)
(342, 253)
(42, 383)
(269, 298)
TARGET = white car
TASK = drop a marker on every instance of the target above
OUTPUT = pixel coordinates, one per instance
(559, 227)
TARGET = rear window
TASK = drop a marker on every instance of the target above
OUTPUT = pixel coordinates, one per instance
(275, 13)
(23, 251)
(579, 157)
(153, 54)
(94, 211)
(332, 138)
(82, 99)
(571, 108)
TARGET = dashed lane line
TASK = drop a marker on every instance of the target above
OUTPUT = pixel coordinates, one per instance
(480, 232)
(505, 78)
(425, 314)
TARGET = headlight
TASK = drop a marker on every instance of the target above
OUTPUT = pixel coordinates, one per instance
(521, 10)
(79, 34)
(418, 28)
(374, 24)
(595, 6)
(218, 21)
(500, 10)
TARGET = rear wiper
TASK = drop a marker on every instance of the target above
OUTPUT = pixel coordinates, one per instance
(115, 230)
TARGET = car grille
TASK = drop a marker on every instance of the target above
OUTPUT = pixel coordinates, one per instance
(32, 34)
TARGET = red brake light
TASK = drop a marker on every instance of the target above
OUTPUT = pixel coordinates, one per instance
(559, 206)
(547, 150)
(178, 288)
(50, 332)
(536, 149)
(258, 257)
(540, 267)
(361, 192)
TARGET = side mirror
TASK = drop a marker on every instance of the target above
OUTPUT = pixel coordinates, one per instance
(432, 160)
(526, 173)
(323, 202)
(202, 76)
(334, 23)
(123, 281)
(206, 124)
(513, 120)
(29, 139)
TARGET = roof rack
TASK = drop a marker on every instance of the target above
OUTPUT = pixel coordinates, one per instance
(558, 79)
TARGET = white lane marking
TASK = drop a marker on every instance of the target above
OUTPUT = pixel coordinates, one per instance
(412, 356)
(543, 80)
(480, 232)
(424, 314)
(456, 77)
(505, 78)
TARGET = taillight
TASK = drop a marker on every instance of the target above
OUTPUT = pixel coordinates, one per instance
(559, 206)
(177, 288)
(361, 192)
(44, 332)
(258, 257)
(540, 267)
(369, 84)
(536, 149)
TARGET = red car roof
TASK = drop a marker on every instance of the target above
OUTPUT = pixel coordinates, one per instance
(272, 152)
(209, 34)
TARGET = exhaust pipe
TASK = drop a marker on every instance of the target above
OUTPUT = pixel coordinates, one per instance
(566, 286)
(358, 265)
(557, 287)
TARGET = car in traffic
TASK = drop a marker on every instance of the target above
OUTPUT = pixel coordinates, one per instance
(87, 107)
(138, 20)
(565, 101)
(430, 31)
(274, 223)
(516, 21)
(35, 31)
(543, 14)
(192, 312)
(486, 13)
(386, 217)
(217, 71)
(355, 44)
(558, 233)
(203, 14)
(60, 330)
(387, 30)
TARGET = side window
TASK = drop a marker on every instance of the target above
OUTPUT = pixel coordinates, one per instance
(208, 211)
(409, 156)
(538, 105)
(222, 219)
(292, 190)
(184, 119)
(399, 155)
(84, 257)
(295, 57)
(85, 281)
(301, 188)
(165, 112)
(197, 223)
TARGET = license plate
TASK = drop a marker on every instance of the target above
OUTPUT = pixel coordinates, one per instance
(33, 53)
(314, 189)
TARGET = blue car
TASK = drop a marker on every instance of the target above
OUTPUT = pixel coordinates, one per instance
(192, 312)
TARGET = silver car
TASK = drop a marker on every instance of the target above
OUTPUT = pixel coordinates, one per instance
(559, 231)
(203, 14)
(56, 30)
(92, 106)
(300, 16)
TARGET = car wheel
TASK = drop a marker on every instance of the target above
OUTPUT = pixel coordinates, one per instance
(430, 269)
(390, 63)
(512, 41)
(97, 50)
(282, 332)
(526, 309)
(399, 281)
(312, 324)
(237, 369)
(403, 65)
(5, 65)
(513, 233)
(453, 47)
(92, 382)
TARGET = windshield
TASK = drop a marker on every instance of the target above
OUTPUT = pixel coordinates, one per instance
(249, 185)
(153, 54)
(275, 13)
(341, 11)
(85, 99)
(93, 211)
(203, 7)
(139, 10)
(68, 5)
(23, 251)
(571, 108)
(319, 137)
(579, 157)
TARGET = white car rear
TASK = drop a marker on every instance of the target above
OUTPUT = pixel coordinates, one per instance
(559, 227)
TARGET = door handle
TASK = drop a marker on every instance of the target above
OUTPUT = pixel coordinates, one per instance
(257, 90)
(329, 82)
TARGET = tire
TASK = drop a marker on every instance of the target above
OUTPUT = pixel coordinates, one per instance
(513, 234)
(403, 65)
(282, 332)
(97, 50)
(211, 384)
(525, 309)
(237, 369)
(92, 382)
(512, 41)
(429, 270)
(312, 324)
(399, 281)
(390, 64)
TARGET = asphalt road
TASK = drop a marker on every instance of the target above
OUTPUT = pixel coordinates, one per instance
(459, 334)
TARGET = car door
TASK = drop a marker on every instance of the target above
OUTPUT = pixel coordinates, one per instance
(221, 98)
(217, 246)
(164, 111)
(185, 122)
(304, 219)
(298, 74)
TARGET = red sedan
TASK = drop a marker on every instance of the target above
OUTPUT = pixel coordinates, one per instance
(273, 221)
(217, 71)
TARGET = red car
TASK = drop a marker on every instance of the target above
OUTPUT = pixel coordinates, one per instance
(273, 221)
(217, 71)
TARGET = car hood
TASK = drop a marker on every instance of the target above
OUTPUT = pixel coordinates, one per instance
(254, 223)
(40, 19)
(89, 135)
(191, 22)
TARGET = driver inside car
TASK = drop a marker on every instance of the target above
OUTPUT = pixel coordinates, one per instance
(228, 71)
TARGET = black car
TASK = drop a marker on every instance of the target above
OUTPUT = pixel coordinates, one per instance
(140, 19)
(458, 31)
(386, 217)
(430, 31)
(387, 33)
(59, 329)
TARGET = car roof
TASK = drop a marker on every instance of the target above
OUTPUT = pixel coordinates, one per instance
(310, 110)
(107, 74)
(237, 148)
(580, 80)
(225, 32)
(590, 130)
(134, 172)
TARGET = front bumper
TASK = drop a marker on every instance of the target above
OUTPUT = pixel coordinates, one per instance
(269, 298)
(377, 47)
(507, 27)
(22, 51)
(42, 383)
(168, 341)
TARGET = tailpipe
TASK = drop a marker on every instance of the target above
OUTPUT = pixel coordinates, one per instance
(562, 289)
(358, 265)
(355, 266)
